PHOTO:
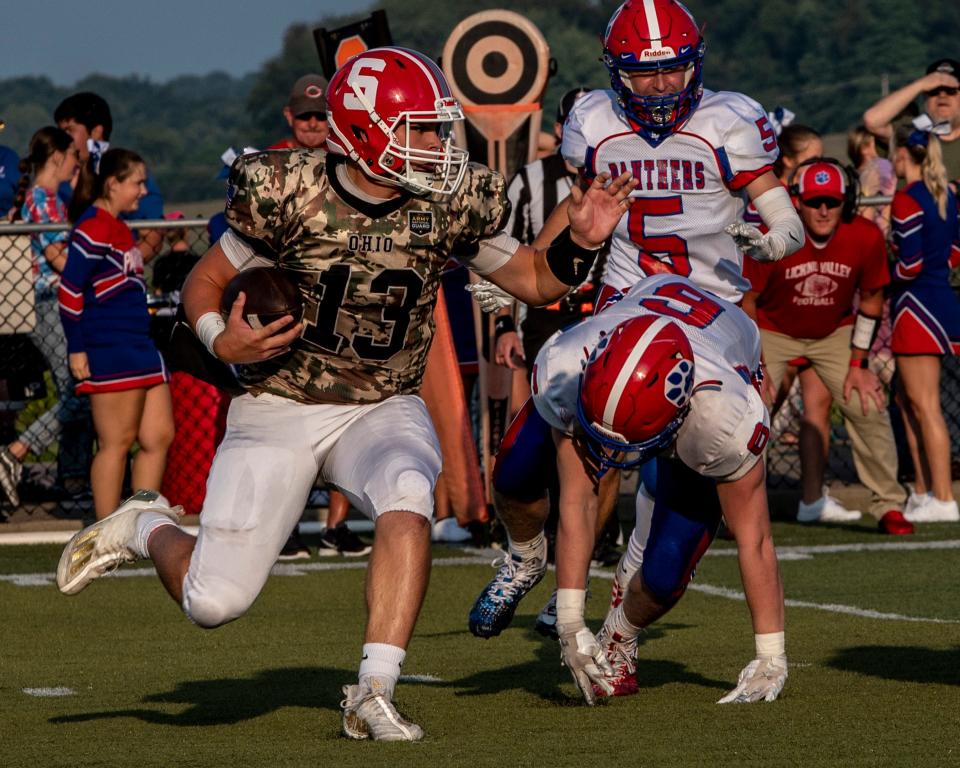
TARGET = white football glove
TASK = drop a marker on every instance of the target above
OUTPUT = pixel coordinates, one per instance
(583, 656)
(490, 297)
(753, 243)
(760, 680)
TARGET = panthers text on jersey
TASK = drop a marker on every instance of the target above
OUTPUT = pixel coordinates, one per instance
(368, 271)
(727, 428)
(690, 186)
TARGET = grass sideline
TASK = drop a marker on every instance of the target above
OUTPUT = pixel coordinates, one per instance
(149, 689)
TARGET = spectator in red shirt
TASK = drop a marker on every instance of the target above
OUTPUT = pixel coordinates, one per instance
(306, 114)
(805, 308)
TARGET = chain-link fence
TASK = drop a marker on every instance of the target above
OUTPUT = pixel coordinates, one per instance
(53, 426)
(47, 429)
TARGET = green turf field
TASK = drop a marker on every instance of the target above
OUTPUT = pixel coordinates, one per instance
(873, 639)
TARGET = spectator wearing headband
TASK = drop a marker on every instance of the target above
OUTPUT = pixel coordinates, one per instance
(805, 308)
(926, 314)
(940, 88)
(306, 114)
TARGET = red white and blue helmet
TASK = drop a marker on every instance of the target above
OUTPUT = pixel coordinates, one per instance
(635, 391)
(381, 90)
(646, 36)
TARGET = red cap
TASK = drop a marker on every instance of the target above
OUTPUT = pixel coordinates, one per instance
(820, 180)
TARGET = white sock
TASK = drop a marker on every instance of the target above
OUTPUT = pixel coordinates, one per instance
(383, 662)
(633, 557)
(617, 622)
(147, 522)
(529, 550)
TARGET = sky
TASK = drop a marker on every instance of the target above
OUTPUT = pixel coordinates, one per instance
(67, 40)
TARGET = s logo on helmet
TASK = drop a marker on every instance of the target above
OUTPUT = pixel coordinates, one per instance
(365, 84)
(679, 383)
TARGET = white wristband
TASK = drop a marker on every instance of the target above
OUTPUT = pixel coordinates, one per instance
(570, 603)
(208, 326)
(770, 645)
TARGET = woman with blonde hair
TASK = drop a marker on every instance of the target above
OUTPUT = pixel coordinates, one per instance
(926, 315)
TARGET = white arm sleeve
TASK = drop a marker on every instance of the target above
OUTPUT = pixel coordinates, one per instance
(491, 254)
(783, 223)
(240, 254)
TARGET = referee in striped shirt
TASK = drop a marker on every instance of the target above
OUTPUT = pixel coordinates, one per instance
(534, 192)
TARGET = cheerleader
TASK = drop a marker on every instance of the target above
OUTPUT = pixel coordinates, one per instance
(926, 314)
(104, 313)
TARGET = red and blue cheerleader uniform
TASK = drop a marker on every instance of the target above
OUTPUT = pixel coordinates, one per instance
(926, 312)
(103, 306)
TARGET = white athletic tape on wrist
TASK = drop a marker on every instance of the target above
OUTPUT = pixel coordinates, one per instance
(570, 605)
(208, 327)
(864, 331)
(770, 645)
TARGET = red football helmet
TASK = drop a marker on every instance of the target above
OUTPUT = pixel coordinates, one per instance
(379, 91)
(635, 390)
(646, 36)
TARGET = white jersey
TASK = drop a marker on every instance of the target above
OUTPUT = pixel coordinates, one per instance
(690, 186)
(727, 428)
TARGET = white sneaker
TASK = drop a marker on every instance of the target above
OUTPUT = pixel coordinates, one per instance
(914, 503)
(826, 509)
(936, 511)
(368, 713)
(448, 530)
(103, 546)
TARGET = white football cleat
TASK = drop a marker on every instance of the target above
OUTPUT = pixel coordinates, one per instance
(622, 655)
(107, 544)
(368, 713)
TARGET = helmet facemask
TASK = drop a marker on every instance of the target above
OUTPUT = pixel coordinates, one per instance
(425, 171)
(656, 117)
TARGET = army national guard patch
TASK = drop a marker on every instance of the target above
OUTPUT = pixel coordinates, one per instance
(420, 222)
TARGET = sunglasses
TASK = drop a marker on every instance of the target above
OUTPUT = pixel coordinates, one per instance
(321, 116)
(943, 89)
(816, 202)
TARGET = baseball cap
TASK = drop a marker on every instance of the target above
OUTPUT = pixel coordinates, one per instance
(820, 179)
(950, 66)
(567, 101)
(308, 95)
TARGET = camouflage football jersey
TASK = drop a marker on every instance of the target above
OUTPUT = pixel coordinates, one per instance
(368, 272)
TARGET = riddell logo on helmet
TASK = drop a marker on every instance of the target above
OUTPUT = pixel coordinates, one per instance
(658, 53)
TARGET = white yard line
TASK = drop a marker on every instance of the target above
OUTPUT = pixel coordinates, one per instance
(483, 557)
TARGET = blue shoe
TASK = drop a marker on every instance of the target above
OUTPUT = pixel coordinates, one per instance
(494, 609)
(547, 620)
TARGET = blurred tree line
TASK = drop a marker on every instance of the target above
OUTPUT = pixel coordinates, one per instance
(823, 60)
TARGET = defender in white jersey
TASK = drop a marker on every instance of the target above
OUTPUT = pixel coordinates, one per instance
(697, 156)
(671, 370)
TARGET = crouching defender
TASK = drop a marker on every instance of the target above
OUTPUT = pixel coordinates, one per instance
(365, 229)
(667, 371)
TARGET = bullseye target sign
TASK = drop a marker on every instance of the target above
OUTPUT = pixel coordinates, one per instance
(498, 64)
(497, 57)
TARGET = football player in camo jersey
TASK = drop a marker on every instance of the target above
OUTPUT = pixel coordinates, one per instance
(365, 229)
